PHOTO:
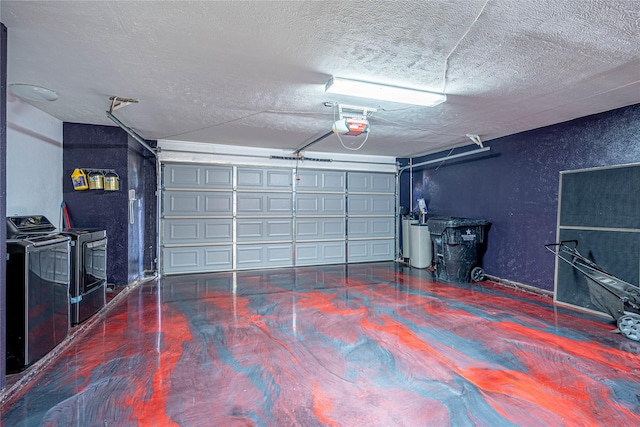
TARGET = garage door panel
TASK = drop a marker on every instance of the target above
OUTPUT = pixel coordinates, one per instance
(279, 179)
(383, 205)
(184, 258)
(219, 257)
(249, 230)
(333, 205)
(267, 255)
(371, 250)
(218, 230)
(307, 204)
(264, 179)
(371, 227)
(383, 183)
(371, 204)
(218, 177)
(382, 249)
(320, 228)
(182, 176)
(333, 181)
(218, 203)
(192, 203)
(198, 230)
(279, 204)
(179, 203)
(249, 256)
(333, 228)
(196, 259)
(318, 253)
(181, 231)
(307, 229)
(327, 181)
(358, 249)
(320, 204)
(280, 254)
(366, 182)
(250, 178)
(251, 204)
(280, 230)
(197, 176)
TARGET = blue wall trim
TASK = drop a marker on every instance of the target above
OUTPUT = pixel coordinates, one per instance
(515, 186)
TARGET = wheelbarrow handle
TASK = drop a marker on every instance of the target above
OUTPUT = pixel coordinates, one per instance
(562, 243)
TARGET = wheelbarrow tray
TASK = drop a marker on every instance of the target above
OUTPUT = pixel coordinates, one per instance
(619, 299)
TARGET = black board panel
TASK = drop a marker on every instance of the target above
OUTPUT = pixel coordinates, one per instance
(601, 198)
(616, 252)
(600, 208)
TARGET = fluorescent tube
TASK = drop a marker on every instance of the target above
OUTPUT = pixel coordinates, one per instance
(383, 92)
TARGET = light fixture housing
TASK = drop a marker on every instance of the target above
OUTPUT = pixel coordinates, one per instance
(383, 92)
(32, 92)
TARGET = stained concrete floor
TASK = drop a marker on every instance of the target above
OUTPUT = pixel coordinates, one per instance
(349, 345)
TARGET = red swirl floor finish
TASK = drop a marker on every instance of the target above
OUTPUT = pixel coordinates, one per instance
(358, 345)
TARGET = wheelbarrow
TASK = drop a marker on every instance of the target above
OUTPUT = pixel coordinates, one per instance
(619, 299)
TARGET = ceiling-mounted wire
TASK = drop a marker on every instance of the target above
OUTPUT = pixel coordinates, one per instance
(446, 60)
(248, 116)
(404, 125)
(353, 149)
(445, 159)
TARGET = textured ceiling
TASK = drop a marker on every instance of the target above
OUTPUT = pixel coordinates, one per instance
(253, 73)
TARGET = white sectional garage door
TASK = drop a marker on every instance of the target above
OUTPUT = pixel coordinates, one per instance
(264, 218)
(371, 216)
(320, 217)
(197, 218)
(216, 218)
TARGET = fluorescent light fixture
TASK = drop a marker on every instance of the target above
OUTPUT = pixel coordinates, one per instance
(33, 93)
(383, 92)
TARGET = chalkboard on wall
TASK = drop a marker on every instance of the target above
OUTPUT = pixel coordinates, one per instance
(600, 208)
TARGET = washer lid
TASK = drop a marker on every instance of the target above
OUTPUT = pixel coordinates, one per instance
(28, 225)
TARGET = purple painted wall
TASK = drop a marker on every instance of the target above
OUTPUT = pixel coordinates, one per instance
(109, 147)
(515, 186)
(88, 146)
(3, 201)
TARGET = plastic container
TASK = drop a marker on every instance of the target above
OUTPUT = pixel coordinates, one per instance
(79, 180)
(406, 236)
(421, 253)
(456, 247)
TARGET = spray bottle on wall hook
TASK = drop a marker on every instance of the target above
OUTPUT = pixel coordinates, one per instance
(422, 206)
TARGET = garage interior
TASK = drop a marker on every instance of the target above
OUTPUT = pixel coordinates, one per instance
(256, 262)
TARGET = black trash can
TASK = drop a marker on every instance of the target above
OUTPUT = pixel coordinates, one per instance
(456, 251)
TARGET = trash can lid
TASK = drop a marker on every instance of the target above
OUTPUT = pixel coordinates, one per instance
(437, 225)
